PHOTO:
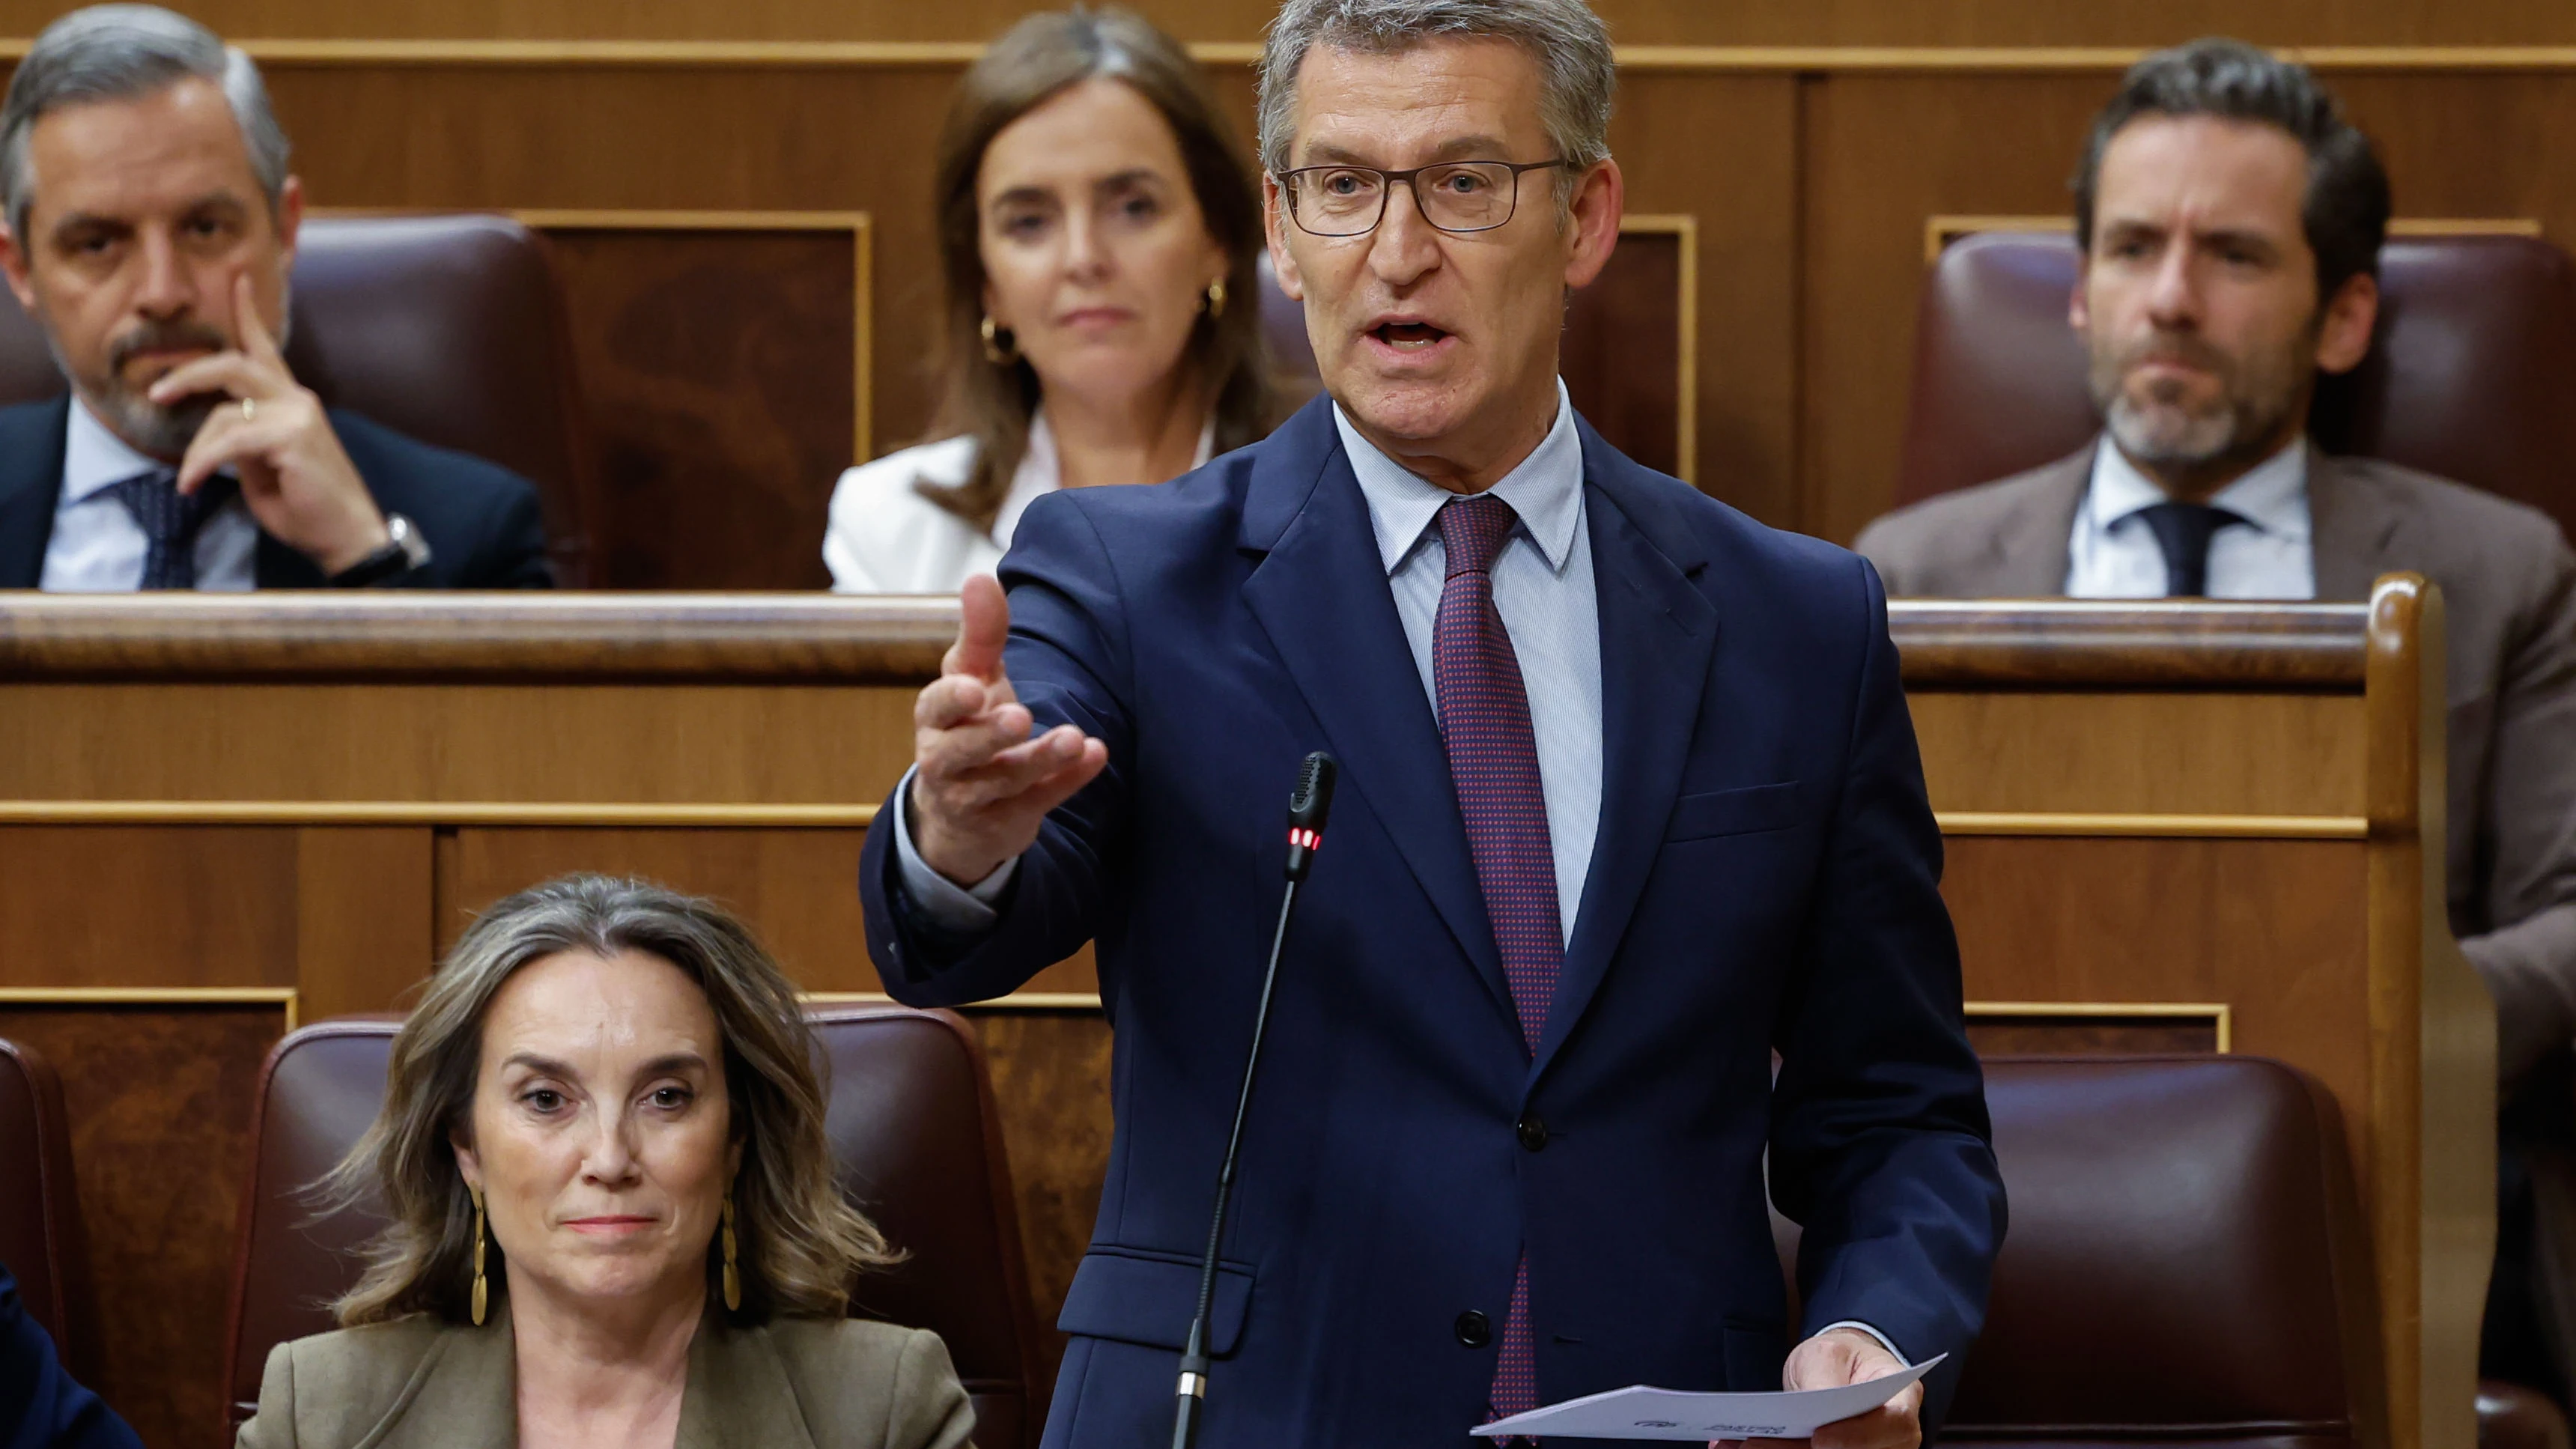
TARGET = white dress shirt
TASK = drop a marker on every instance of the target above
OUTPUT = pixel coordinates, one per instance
(885, 538)
(2112, 554)
(97, 547)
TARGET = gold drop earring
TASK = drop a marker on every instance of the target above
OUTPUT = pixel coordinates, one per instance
(480, 1292)
(732, 1273)
(1216, 299)
(1001, 348)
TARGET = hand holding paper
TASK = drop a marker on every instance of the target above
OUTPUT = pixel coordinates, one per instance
(1867, 1408)
(1840, 1356)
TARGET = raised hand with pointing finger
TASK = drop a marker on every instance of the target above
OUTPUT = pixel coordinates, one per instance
(982, 784)
(272, 432)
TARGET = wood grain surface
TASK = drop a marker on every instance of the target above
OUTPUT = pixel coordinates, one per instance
(159, 1104)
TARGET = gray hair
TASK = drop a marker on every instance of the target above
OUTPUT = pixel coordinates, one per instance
(1577, 71)
(123, 53)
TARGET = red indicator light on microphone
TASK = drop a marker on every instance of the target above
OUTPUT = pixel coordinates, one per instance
(1309, 839)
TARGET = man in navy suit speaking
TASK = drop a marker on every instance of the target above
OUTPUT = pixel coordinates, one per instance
(1630, 801)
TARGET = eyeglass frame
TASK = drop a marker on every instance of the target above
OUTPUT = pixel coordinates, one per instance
(1387, 180)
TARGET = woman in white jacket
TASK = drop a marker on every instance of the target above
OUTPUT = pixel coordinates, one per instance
(1098, 233)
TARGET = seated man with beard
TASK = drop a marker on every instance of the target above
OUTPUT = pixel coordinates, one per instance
(151, 228)
(2231, 222)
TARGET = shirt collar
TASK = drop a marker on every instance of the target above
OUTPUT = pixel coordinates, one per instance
(1546, 490)
(95, 459)
(2272, 496)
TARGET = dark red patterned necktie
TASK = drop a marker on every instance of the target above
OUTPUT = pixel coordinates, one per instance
(1493, 758)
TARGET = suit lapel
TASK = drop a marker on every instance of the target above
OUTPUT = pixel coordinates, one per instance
(2030, 545)
(464, 1395)
(31, 483)
(738, 1394)
(1321, 595)
(1657, 632)
(2350, 528)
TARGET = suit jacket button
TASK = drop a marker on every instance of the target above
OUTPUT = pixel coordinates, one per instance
(1532, 1132)
(1474, 1329)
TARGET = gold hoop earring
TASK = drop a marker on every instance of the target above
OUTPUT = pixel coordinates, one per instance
(732, 1272)
(480, 1290)
(1001, 348)
(1216, 299)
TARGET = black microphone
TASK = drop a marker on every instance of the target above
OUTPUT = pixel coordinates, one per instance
(1307, 809)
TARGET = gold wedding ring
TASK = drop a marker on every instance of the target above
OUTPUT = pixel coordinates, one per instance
(250, 410)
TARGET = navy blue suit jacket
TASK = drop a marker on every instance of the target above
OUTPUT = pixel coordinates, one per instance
(481, 519)
(1765, 878)
(40, 1406)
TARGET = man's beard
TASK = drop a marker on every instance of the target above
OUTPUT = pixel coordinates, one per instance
(2256, 398)
(147, 426)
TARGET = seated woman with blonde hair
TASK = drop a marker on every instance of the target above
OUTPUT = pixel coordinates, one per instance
(1098, 234)
(614, 1215)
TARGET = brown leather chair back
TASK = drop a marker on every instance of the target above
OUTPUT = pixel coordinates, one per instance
(2469, 376)
(2185, 1261)
(912, 1125)
(41, 1242)
(448, 328)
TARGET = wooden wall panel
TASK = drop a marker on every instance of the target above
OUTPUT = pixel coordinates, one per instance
(798, 890)
(1051, 1076)
(2174, 754)
(159, 1104)
(716, 373)
(784, 744)
(1632, 22)
(148, 906)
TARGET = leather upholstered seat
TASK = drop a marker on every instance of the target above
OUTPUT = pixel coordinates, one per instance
(41, 1242)
(913, 1129)
(2468, 378)
(2185, 1262)
(448, 328)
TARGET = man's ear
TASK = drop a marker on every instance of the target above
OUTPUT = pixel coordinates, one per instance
(1600, 196)
(1274, 230)
(290, 219)
(2344, 329)
(2079, 312)
(13, 262)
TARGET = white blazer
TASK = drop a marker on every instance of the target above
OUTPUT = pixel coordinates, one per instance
(885, 538)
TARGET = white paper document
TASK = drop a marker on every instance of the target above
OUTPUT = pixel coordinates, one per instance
(1644, 1413)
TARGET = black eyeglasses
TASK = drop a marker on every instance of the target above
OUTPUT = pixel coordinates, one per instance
(1455, 196)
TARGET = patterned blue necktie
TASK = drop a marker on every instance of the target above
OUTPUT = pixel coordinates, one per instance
(1493, 759)
(170, 522)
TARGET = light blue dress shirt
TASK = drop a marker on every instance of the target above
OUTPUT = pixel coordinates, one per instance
(97, 547)
(2112, 554)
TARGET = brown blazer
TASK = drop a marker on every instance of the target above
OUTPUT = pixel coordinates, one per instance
(2509, 593)
(801, 1383)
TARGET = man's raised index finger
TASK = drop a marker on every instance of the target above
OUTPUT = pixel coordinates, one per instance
(255, 339)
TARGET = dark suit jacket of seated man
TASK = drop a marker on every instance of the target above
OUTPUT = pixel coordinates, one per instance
(481, 521)
(1759, 871)
(41, 1406)
(2295, 523)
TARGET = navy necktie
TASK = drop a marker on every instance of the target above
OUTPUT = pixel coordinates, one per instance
(1493, 760)
(2183, 532)
(170, 523)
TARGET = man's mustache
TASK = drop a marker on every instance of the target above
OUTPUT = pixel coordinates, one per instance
(164, 337)
(2187, 351)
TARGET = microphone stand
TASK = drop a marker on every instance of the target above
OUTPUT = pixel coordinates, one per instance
(1307, 810)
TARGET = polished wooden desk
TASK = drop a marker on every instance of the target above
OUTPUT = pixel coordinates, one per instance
(2171, 827)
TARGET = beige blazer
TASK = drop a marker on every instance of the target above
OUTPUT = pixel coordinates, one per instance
(2509, 594)
(806, 1383)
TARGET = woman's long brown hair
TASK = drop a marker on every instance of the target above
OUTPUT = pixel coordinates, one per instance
(1037, 58)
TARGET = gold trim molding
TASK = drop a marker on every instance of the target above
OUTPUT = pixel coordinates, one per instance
(2218, 1013)
(463, 813)
(1016, 1001)
(2212, 827)
(286, 998)
(1721, 59)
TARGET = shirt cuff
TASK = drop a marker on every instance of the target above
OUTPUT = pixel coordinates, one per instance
(1883, 1341)
(943, 904)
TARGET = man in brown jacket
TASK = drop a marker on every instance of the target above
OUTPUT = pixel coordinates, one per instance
(2231, 221)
